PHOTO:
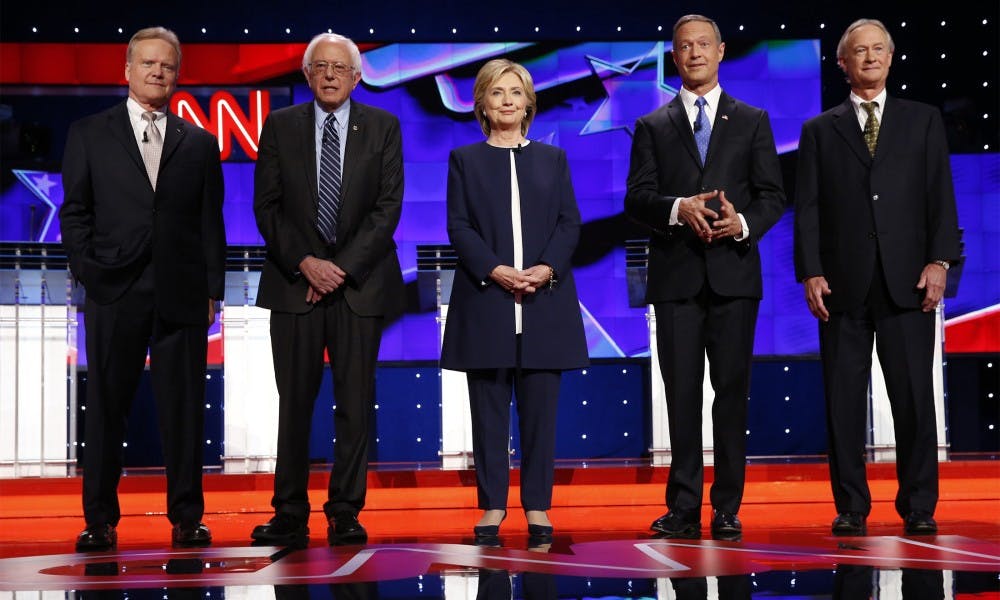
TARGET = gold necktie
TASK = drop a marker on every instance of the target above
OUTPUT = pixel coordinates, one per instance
(871, 126)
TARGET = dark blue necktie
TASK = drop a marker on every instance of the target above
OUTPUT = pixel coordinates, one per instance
(329, 181)
(702, 129)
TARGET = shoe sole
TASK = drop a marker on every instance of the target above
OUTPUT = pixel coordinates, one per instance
(690, 533)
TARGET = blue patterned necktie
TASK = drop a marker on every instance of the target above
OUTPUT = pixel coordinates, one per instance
(702, 129)
(329, 181)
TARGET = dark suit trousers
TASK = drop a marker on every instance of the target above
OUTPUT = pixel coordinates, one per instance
(297, 345)
(118, 335)
(685, 331)
(537, 396)
(905, 346)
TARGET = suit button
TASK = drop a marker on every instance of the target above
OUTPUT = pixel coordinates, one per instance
(875, 197)
(872, 235)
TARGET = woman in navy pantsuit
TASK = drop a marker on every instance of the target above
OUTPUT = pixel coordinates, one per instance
(514, 320)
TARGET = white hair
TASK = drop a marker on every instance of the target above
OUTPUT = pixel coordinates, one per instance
(336, 38)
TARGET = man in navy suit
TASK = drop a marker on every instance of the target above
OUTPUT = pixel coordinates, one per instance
(142, 226)
(875, 231)
(704, 176)
(328, 194)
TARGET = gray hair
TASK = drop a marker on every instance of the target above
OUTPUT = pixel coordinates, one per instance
(699, 18)
(154, 33)
(336, 38)
(842, 45)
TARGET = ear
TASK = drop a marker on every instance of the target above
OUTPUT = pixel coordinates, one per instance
(126, 71)
(722, 50)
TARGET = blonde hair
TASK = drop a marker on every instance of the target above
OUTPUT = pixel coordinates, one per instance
(487, 78)
(154, 33)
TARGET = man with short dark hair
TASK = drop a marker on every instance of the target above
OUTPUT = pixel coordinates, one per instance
(875, 231)
(142, 226)
(328, 193)
(704, 176)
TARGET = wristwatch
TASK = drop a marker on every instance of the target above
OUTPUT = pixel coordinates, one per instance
(943, 264)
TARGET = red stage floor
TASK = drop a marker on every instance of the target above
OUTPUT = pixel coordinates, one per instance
(421, 544)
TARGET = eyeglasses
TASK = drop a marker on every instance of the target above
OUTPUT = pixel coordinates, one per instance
(339, 69)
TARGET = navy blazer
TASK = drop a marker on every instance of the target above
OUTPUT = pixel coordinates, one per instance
(851, 209)
(371, 202)
(114, 224)
(480, 328)
(665, 165)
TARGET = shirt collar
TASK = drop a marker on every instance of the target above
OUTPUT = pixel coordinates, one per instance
(712, 97)
(342, 113)
(856, 101)
(135, 111)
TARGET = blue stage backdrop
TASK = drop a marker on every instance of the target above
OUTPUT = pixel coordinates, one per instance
(589, 96)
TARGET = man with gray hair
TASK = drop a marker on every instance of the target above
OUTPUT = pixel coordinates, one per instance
(875, 231)
(328, 193)
(142, 227)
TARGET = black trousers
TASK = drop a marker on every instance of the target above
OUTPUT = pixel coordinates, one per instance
(118, 335)
(297, 345)
(537, 395)
(905, 346)
(685, 330)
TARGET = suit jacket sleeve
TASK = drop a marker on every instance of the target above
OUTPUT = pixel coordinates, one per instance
(559, 249)
(372, 240)
(942, 218)
(766, 191)
(286, 245)
(643, 202)
(807, 256)
(76, 217)
(476, 255)
(212, 225)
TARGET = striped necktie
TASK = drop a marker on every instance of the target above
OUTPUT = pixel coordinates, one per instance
(871, 126)
(329, 181)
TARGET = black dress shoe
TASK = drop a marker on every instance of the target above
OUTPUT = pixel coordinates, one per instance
(849, 523)
(96, 538)
(919, 523)
(190, 535)
(539, 534)
(344, 528)
(282, 530)
(726, 526)
(672, 525)
(489, 532)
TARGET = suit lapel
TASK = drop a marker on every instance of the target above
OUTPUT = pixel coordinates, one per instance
(121, 129)
(888, 129)
(355, 129)
(845, 121)
(675, 109)
(725, 110)
(307, 133)
(175, 131)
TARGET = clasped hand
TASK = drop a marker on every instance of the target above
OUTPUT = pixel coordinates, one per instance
(521, 282)
(693, 212)
(323, 276)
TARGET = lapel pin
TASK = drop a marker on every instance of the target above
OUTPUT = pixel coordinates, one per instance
(725, 117)
(355, 127)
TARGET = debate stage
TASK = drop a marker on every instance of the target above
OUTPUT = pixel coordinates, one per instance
(420, 518)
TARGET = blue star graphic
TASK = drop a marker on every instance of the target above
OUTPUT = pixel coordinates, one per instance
(632, 91)
(47, 187)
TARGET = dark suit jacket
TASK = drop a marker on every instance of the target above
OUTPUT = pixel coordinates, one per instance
(480, 329)
(741, 160)
(114, 224)
(851, 209)
(286, 200)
